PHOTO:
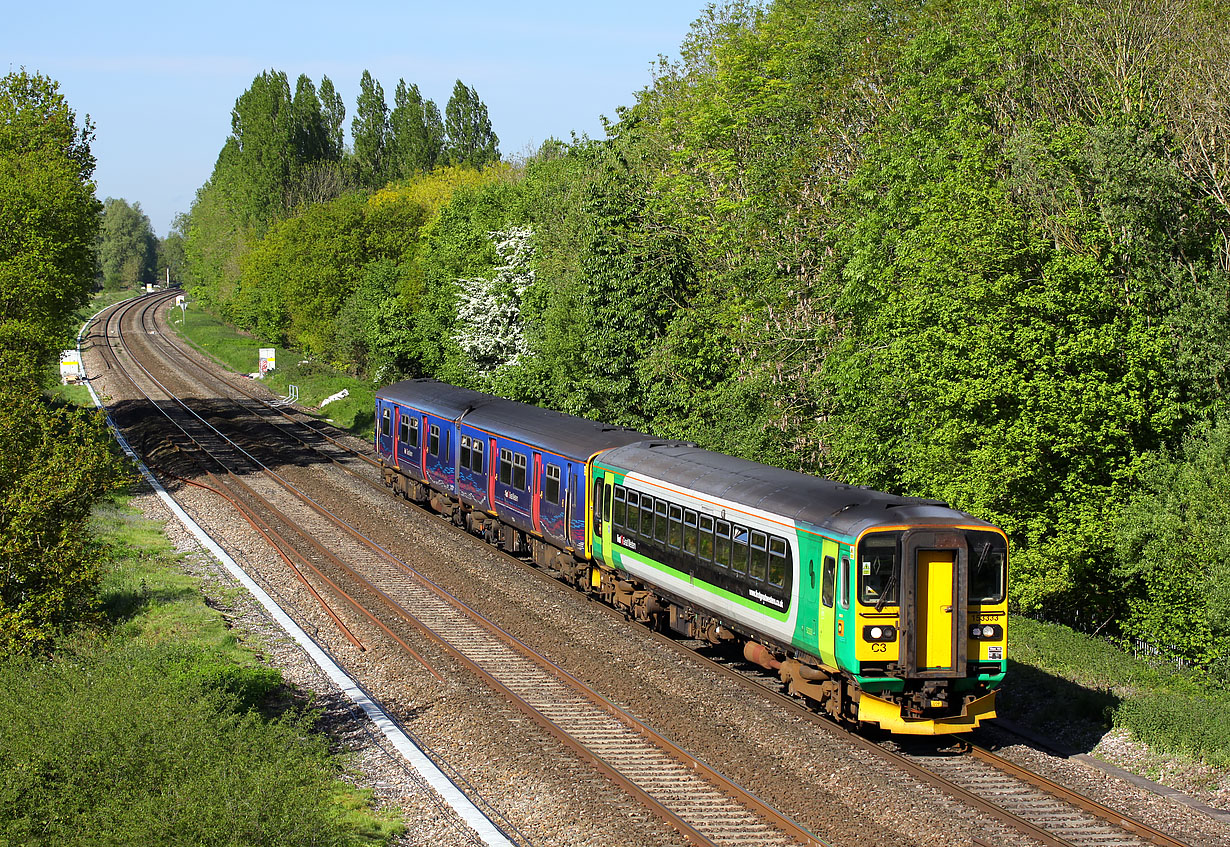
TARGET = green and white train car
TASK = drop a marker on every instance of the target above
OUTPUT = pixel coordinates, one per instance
(886, 610)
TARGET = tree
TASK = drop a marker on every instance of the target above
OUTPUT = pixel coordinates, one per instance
(49, 221)
(53, 462)
(333, 111)
(370, 130)
(471, 140)
(415, 140)
(128, 250)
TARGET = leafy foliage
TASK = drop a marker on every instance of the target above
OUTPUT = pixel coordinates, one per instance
(156, 745)
(128, 251)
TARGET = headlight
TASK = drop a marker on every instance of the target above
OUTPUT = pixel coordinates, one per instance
(879, 632)
(987, 632)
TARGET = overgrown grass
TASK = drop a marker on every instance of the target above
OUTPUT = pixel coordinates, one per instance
(316, 381)
(1059, 677)
(158, 728)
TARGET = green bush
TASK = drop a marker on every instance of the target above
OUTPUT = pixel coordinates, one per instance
(156, 745)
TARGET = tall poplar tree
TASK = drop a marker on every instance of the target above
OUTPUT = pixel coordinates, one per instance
(333, 110)
(370, 129)
(415, 142)
(471, 140)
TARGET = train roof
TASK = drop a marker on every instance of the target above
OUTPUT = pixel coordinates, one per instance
(556, 432)
(843, 509)
(434, 397)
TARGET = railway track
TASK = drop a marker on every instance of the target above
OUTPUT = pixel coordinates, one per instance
(701, 804)
(1025, 802)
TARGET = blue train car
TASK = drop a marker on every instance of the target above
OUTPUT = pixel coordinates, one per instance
(515, 474)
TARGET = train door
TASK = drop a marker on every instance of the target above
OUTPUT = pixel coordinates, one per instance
(828, 603)
(397, 418)
(536, 494)
(933, 609)
(933, 602)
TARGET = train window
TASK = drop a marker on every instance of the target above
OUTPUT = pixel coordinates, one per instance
(633, 524)
(704, 547)
(606, 512)
(519, 471)
(828, 581)
(721, 555)
(660, 523)
(385, 426)
(620, 513)
(760, 553)
(403, 430)
(877, 569)
(506, 467)
(675, 539)
(779, 560)
(551, 491)
(646, 517)
(689, 532)
(843, 579)
(465, 451)
(739, 553)
(987, 557)
(476, 455)
(599, 489)
(413, 440)
(434, 444)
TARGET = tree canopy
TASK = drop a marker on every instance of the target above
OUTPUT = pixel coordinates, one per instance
(941, 249)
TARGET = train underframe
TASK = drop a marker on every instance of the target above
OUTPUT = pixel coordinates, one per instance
(923, 707)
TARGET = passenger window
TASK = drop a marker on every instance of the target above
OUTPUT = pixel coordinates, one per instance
(659, 522)
(739, 556)
(551, 489)
(506, 467)
(621, 507)
(403, 430)
(519, 472)
(705, 541)
(476, 456)
(760, 554)
(827, 581)
(676, 527)
(843, 577)
(465, 451)
(779, 560)
(434, 445)
(689, 532)
(721, 555)
(384, 422)
(599, 487)
(634, 513)
(413, 439)
(646, 517)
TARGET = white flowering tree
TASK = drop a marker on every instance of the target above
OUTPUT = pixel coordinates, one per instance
(489, 326)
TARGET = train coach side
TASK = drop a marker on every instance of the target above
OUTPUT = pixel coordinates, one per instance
(813, 577)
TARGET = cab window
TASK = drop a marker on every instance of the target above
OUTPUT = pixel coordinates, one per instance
(988, 556)
(877, 569)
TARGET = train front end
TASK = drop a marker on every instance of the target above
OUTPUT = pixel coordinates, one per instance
(930, 626)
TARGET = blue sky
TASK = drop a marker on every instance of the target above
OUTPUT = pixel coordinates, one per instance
(159, 81)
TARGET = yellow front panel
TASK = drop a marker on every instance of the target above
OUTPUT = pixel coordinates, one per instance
(935, 571)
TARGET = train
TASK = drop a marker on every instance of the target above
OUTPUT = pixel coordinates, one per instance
(881, 610)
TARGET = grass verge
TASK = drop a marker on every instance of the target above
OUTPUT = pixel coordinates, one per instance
(1070, 686)
(157, 727)
(315, 381)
